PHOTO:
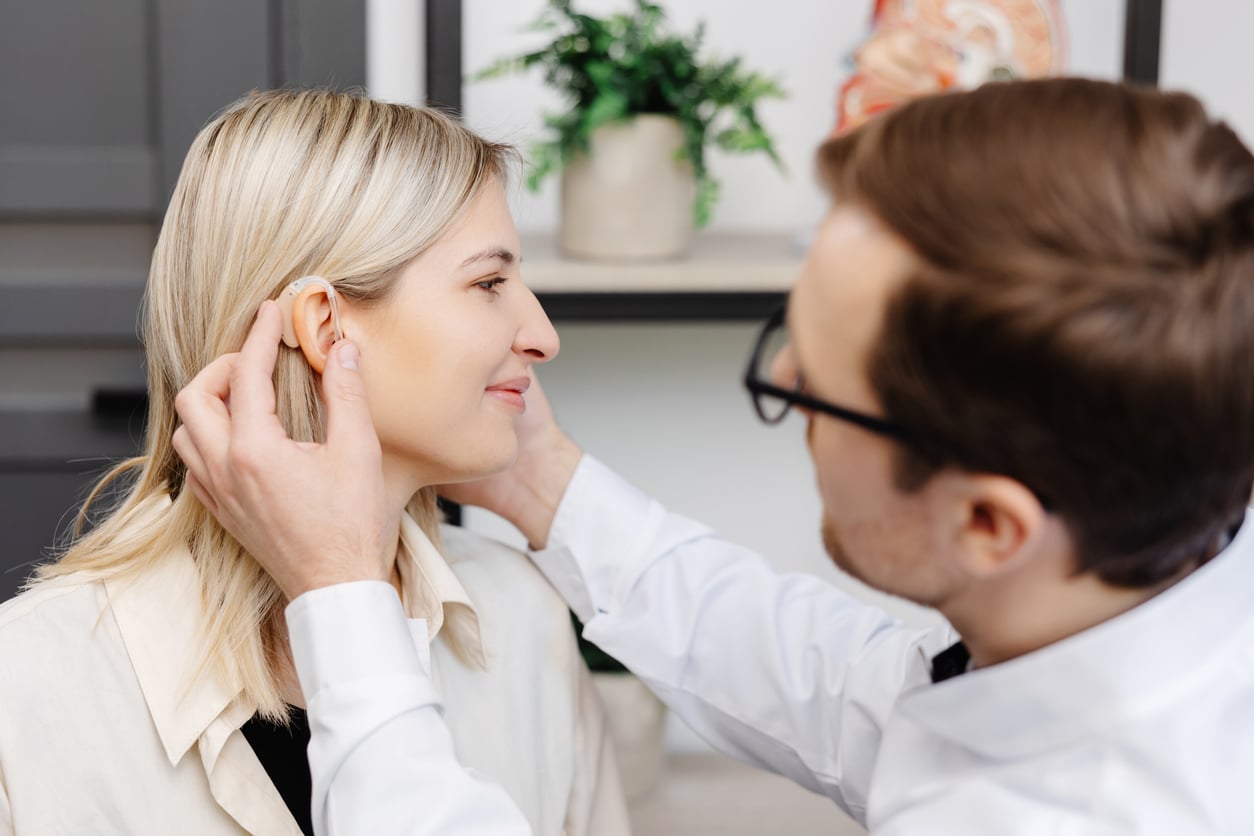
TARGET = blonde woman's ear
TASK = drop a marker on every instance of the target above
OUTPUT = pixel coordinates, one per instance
(313, 322)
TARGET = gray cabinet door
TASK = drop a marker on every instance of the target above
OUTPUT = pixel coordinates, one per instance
(99, 102)
(76, 114)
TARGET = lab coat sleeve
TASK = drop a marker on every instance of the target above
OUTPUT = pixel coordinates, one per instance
(381, 758)
(782, 671)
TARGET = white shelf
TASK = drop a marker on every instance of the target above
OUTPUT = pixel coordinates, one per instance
(718, 263)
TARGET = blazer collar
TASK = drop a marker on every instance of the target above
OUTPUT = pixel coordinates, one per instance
(161, 618)
(430, 590)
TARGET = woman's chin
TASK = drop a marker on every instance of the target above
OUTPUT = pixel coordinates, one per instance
(410, 474)
(484, 464)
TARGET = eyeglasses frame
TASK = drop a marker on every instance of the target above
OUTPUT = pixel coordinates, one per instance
(760, 387)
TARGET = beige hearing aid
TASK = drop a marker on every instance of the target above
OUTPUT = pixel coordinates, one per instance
(305, 286)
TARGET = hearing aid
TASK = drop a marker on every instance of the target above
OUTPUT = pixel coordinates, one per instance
(302, 287)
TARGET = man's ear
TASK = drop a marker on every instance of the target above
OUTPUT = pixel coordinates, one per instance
(313, 324)
(1000, 522)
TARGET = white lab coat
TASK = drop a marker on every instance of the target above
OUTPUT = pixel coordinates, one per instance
(1141, 725)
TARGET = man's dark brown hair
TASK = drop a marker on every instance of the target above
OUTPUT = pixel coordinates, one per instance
(1083, 316)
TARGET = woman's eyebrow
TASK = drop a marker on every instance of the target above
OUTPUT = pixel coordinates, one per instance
(493, 252)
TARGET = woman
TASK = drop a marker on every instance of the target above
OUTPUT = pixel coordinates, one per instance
(157, 634)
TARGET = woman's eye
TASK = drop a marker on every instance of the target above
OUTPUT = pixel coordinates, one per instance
(490, 284)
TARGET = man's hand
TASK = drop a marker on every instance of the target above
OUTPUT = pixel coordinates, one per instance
(528, 493)
(311, 514)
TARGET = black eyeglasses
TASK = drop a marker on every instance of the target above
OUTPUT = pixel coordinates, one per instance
(773, 402)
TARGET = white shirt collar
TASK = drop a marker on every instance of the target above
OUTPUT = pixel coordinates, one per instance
(1096, 676)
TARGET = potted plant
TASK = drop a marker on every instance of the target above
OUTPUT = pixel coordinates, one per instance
(644, 109)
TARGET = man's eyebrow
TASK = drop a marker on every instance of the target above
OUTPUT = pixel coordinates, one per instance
(492, 252)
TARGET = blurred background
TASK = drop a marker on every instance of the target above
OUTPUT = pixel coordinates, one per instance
(99, 102)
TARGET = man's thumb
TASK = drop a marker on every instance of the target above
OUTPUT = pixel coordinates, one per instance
(344, 391)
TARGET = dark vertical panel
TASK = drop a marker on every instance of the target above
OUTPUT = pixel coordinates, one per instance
(152, 93)
(323, 43)
(1142, 40)
(282, 44)
(208, 55)
(444, 54)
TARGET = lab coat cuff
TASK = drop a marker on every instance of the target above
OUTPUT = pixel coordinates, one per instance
(597, 538)
(356, 631)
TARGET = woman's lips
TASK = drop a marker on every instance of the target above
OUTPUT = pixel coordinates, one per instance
(511, 392)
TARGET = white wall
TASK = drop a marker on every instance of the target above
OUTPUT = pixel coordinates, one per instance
(1206, 50)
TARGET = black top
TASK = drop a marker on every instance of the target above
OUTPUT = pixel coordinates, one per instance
(951, 662)
(283, 753)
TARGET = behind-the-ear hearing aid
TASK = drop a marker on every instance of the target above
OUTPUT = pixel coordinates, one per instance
(305, 286)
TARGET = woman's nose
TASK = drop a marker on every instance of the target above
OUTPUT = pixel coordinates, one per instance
(536, 339)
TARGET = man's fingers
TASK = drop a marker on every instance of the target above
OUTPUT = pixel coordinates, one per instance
(252, 378)
(214, 379)
(202, 407)
(193, 484)
(185, 446)
(344, 392)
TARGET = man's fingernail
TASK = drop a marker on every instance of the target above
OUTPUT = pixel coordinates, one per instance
(349, 357)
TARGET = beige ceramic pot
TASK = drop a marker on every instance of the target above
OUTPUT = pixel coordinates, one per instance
(629, 199)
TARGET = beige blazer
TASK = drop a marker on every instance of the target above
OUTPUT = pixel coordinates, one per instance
(104, 729)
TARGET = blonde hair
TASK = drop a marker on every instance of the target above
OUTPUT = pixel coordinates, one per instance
(282, 184)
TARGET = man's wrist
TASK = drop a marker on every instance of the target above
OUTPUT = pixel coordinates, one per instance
(544, 486)
(295, 586)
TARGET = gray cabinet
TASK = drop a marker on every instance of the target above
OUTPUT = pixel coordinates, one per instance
(76, 137)
(98, 104)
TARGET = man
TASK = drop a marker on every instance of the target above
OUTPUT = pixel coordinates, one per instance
(1024, 344)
